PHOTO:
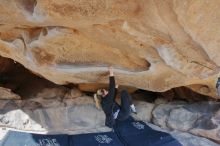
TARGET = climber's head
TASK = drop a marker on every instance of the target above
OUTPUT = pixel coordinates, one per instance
(102, 92)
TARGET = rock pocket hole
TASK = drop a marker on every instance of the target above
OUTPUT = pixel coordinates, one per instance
(28, 5)
(34, 33)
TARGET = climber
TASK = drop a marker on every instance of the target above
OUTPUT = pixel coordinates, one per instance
(217, 86)
(106, 99)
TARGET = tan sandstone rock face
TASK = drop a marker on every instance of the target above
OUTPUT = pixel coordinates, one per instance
(152, 44)
(7, 94)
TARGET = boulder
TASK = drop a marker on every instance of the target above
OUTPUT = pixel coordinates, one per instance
(78, 116)
(200, 118)
(6, 93)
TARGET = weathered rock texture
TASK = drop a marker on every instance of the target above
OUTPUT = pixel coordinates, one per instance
(6, 93)
(79, 115)
(200, 118)
(152, 44)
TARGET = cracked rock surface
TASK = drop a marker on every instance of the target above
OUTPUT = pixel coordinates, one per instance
(79, 115)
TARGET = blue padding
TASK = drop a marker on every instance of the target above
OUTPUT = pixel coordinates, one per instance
(14, 138)
(127, 133)
(95, 139)
(137, 133)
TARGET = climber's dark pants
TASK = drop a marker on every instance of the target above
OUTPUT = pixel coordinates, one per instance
(218, 91)
(126, 101)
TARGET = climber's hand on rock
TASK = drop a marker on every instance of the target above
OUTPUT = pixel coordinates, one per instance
(111, 71)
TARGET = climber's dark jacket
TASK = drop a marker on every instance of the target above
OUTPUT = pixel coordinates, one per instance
(108, 103)
(218, 82)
